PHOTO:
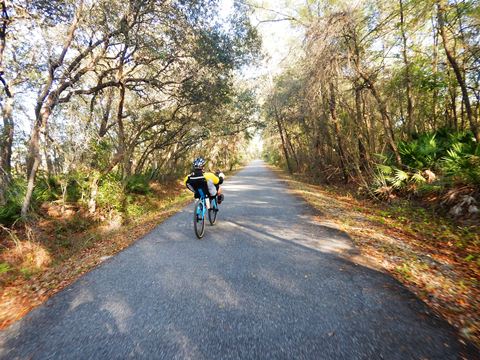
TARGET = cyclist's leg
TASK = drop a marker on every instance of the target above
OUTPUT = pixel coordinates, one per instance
(220, 196)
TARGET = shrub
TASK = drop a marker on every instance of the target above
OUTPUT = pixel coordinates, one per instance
(138, 184)
(432, 162)
(389, 178)
(419, 153)
(78, 186)
(10, 212)
(462, 163)
(135, 210)
(14, 194)
(110, 193)
(426, 149)
(273, 157)
(46, 189)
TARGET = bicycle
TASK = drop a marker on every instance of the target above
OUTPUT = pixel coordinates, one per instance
(200, 212)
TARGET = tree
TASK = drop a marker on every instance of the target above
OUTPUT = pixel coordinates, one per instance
(137, 76)
(6, 136)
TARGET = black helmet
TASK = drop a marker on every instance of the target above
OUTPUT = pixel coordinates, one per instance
(199, 163)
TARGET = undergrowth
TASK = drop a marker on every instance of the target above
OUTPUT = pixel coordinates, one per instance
(432, 163)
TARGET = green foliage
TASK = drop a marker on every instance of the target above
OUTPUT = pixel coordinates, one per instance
(138, 184)
(110, 193)
(135, 210)
(385, 169)
(389, 178)
(47, 189)
(77, 186)
(400, 178)
(418, 178)
(431, 188)
(26, 272)
(4, 267)
(101, 152)
(462, 163)
(10, 212)
(272, 157)
(454, 157)
(426, 149)
(419, 153)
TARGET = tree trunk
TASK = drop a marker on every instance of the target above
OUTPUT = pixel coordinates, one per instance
(284, 145)
(290, 147)
(92, 202)
(336, 128)
(6, 137)
(435, 70)
(48, 159)
(33, 163)
(456, 69)
(408, 79)
(360, 113)
(318, 153)
(122, 148)
(386, 121)
(6, 140)
(46, 102)
(362, 151)
(106, 114)
(453, 120)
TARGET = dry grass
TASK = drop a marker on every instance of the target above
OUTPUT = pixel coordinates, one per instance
(435, 259)
(28, 255)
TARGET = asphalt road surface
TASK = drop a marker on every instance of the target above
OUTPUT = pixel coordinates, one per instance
(266, 282)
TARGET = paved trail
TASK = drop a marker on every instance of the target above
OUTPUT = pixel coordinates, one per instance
(267, 282)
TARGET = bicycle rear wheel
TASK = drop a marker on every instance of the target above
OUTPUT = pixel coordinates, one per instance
(212, 216)
(199, 220)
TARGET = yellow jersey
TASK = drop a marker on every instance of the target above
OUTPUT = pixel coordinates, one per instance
(207, 176)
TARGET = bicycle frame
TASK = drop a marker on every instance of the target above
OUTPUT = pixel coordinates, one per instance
(201, 210)
(203, 199)
(204, 208)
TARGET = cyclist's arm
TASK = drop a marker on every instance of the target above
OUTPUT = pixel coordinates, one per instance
(187, 184)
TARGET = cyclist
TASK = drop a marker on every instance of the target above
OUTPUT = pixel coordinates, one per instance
(207, 181)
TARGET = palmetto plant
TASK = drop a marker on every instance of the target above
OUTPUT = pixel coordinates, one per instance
(454, 156)
(420, 153)
(390, 178)
(462, 163)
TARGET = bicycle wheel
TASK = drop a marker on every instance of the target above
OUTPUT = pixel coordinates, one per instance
(212, 212)
(199, 220)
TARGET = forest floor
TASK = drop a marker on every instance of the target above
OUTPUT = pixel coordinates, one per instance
(60, 246)
(435, 258)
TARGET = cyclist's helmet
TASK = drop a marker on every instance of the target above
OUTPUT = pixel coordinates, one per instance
(199, 163)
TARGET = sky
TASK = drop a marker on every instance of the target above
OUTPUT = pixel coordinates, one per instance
(280, 44)
(280, 40)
